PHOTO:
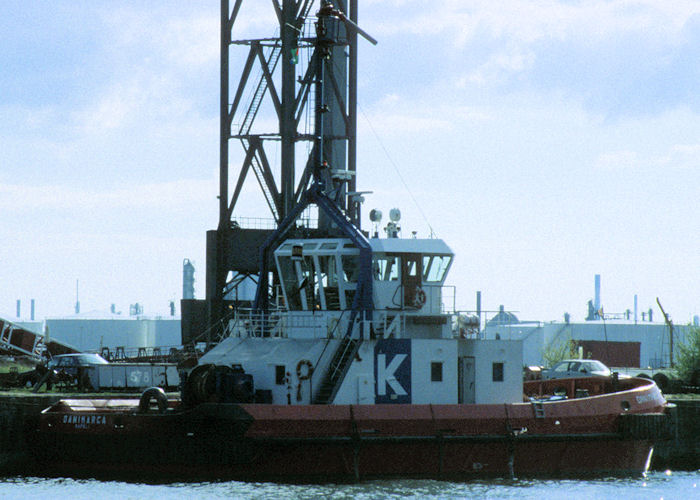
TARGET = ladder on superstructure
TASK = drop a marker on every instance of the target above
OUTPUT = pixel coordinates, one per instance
(338, 368)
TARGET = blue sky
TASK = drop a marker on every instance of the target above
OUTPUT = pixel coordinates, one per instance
(545, 141)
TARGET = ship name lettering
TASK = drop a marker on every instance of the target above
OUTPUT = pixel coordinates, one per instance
(81, 421)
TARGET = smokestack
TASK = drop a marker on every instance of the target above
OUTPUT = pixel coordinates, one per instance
(77, 297)
(19, 308)
(187, 279)
(596, 303)
(478, 308)
(31, 317)
(636, 309)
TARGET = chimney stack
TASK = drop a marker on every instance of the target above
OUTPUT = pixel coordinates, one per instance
(596, 303)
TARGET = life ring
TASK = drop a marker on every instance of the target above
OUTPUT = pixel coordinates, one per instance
(151, 393)
(301, 375)
(420, 298)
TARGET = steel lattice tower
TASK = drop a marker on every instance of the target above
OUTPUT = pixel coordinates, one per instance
(287, 87)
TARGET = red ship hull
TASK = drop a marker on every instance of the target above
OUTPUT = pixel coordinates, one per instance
(572, 437)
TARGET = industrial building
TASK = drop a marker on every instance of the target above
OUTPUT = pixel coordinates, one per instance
(615, 343)
(94, 331)
(629, 339)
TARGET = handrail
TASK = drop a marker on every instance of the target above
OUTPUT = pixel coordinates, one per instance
(349, 343)
(330, 336)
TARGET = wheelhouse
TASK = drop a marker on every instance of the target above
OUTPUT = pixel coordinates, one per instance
(322, 274)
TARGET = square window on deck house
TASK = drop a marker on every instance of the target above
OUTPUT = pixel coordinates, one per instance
(280, 374)
(498, 372)
(436, 371)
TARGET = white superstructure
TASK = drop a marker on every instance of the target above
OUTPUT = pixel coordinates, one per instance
(310, 348)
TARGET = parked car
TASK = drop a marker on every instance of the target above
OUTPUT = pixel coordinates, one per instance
(576, 368)
(71, 369)
(71, 362)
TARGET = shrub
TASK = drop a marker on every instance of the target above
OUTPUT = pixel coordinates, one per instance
(688, 357)
(557, 350)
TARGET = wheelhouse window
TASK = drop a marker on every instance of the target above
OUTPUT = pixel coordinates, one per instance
(351, 267)
(318, 274)
(308, 286)
(435, 267)
(497, 372)
(436, 371)
(386, 267)
(290, 282)
(329, 281)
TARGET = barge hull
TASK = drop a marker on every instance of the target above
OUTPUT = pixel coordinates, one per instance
(218, 457)
(587, 436)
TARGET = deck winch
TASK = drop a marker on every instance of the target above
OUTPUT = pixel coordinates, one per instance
(218, 384)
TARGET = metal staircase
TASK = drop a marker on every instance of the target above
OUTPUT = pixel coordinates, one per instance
(260, 90)
(337, 370)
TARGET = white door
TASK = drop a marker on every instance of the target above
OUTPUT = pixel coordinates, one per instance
(467, 388)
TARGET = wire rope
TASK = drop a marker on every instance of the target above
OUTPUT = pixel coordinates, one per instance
(398, 172)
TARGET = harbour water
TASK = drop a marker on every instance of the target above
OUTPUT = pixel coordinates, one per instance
(656, 485)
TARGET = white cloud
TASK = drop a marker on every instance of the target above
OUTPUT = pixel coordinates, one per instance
(680, 156)
(113, 108)
(508, 35)
(677, 157)
(501, 65)
(192, 41)
(164, 196)
(136, 100)
(397, 115)
(617, 159)
(529, 21)
(184, 39)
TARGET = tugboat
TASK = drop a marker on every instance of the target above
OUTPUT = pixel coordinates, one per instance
(349, 366)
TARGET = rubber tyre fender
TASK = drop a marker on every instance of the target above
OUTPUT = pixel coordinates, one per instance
(153, 393)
